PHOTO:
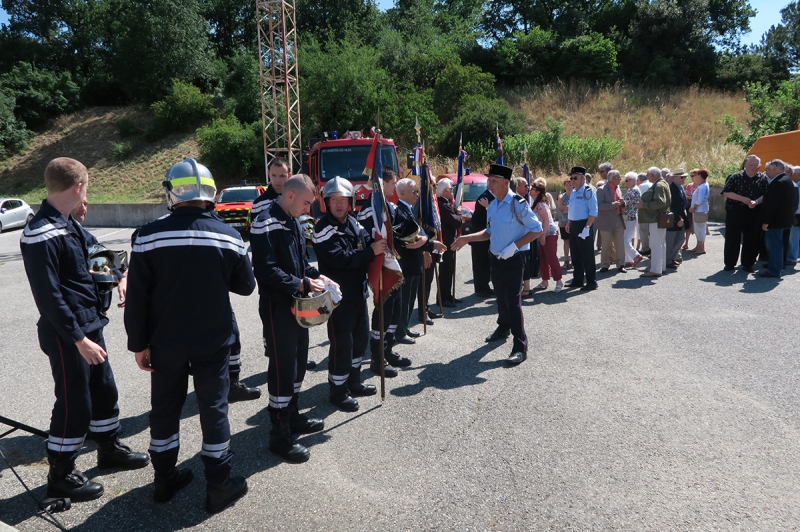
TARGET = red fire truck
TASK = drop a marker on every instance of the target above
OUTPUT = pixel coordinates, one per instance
(345, 157)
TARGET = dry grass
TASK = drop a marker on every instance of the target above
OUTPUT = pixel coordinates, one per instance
(666, 127)
(659, 127)
(87, 136)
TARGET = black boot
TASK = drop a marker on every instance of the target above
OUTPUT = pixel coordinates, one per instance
(300, 423)
(168, 484)
(397, 361)
(239, 391)
(375, 367)
(66, 481)
(114, 453)
(218, 496)
(358, 388)
(281, 441)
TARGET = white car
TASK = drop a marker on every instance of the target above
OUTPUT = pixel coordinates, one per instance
(14, 213)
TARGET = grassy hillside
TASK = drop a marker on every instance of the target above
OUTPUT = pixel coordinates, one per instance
(678, 127)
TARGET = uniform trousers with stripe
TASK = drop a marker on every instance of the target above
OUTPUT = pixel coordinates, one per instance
(348, 332)
(168, 385)
(408, 294)
(234, 359)
(391, 314)
(507, 281)
(287, 345)
(86, 396)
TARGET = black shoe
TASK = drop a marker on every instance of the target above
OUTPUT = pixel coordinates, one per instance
(728, 268)
(672, 266)
(498, 334)
(282, 444)
(114, 453)
(359, 389)
(455, 300)
(301, 424)
(407, 340)
(449, 304)
(604, 269)
(589, 287)
(239, 391)
(573, 284)
(645, 252)
(311, 364)
(64, 481)
(344, 402)
(622, 269)
(414, 334)
(516, 358)
(433, 315)
(388, 371)
(168, 484)
(397, 361)
(218, 496)
(748, 269)
(484, 293)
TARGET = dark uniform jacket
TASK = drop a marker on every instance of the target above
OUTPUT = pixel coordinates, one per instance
(260, 202)
(410, 259)
(182, 269)
(451, 221)
(55, 253)
(343, 254)
(279, 261)
(677, 206)
(780, 203)
(479, 216)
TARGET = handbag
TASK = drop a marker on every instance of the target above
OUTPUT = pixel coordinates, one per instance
(666, 220)
(700, 217)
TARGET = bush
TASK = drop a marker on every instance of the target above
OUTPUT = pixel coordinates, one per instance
(477, 120)
(528, 56)
(40, 95)
(591, 57)
(14, 136)
(772, 112)
(126, 128)
(121, 150)
(457, 82)
(549, 150)
(229, 148)
(400, 110)
(184, 108)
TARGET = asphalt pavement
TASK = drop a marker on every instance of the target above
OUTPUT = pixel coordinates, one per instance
(667, 404)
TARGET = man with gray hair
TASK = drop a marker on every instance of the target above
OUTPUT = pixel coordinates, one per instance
(744, 191)
(653, 203)
(777, 214)
(451, 223)
(794, 232)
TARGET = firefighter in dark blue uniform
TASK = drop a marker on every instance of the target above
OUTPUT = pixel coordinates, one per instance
(278, 173)
(177, 313)
(282, 272)
(511, 227)
(344, 250)
(391, 306)
(55, 253)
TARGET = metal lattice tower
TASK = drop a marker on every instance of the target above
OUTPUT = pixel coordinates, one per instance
(280, 90)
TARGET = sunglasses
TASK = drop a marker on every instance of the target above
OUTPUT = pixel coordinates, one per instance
(573, 178)
(415, 191)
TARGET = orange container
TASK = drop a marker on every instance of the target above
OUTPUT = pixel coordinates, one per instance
(783, 146)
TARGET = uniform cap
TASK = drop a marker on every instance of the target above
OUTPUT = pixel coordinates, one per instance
(498, 170)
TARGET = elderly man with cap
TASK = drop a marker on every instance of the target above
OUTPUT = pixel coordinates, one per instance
(582, 214)
(511, 227)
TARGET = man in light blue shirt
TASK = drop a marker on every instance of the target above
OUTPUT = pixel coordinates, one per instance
(511, 227)
(582, 213)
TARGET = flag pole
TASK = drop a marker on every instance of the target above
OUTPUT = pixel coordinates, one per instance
(380, 324)
(458, 233)
(418, 128)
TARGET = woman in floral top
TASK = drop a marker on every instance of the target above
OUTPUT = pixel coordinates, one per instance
(548, 242)
(630, 214)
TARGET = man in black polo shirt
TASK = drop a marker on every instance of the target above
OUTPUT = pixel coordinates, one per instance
(744, 191)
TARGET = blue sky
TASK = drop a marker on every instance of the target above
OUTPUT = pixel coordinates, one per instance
(768, 15)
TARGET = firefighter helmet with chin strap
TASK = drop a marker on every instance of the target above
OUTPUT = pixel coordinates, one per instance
(188, 181)
(314, 309)
(339, 185)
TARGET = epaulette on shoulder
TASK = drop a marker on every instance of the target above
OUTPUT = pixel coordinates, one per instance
(519, 198)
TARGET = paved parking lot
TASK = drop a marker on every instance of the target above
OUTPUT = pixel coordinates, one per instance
(645, 405)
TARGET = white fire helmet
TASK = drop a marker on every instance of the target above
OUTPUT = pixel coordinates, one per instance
(187, 181)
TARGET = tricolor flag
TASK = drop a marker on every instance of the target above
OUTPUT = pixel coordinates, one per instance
(385, 266)
(498, 148)
(526, 174)
(459, 184)
(428, 206)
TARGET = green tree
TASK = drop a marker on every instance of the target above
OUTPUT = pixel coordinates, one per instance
(232, 24)
(151, 42)
(231, 149)
(528, 56)
(456, 83)
(477, 119)
(39, 94)
(337, 19)
(14, 136)
(401, 107)
(591, 57)
(780, 46)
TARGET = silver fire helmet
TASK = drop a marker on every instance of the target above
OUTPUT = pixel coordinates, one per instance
(314, 309)
(187, 181)
(307, 223)
(341, 186)
(101, 266)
